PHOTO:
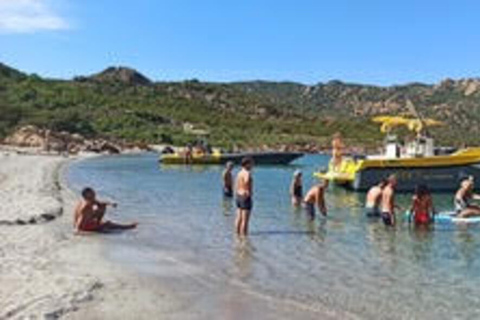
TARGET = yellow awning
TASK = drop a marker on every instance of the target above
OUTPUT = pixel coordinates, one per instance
(417, 125)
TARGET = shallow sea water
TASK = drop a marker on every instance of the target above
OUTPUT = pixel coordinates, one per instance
(346, 266)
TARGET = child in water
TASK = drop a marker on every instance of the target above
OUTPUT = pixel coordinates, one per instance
(422, 206)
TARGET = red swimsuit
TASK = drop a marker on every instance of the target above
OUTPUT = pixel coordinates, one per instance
(420, 209)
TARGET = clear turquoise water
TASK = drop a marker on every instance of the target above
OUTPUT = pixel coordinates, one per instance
(345, 264)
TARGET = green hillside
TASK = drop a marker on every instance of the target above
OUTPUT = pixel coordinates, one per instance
(122, 104)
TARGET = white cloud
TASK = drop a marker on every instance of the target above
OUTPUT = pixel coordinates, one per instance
(28, 16)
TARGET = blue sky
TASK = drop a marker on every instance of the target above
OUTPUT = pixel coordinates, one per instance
(366, 41)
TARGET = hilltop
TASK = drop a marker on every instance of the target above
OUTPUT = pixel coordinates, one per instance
(123, 75)
(122, 104)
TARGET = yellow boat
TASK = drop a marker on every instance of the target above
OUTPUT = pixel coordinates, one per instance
(218, 158)
(416, 163)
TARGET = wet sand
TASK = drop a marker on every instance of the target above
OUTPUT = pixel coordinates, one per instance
(49, 272)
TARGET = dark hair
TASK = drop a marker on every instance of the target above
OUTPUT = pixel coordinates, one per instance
(421, 190)
(383, 183)
(246, 161)
(86, 191)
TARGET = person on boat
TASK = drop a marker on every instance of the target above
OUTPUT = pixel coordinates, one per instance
(337, 150)
(316, 197)
(188, 154)
(89, 214)
(463, 206)
(296, 188)
(422, 206)
(373, 199)
(228, 180)
(388, 201)
(244, 195)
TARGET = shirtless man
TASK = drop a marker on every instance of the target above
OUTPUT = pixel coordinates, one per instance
(388, 201)
(316, 196)
(463, 197)
(89, 214)
(373, 200)
(228, 180)
(244, 193)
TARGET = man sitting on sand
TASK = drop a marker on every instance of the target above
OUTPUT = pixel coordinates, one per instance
(373, 200)
(244, 190)
(89, 214)
(228, 180)
(316, 196)
(463, 198)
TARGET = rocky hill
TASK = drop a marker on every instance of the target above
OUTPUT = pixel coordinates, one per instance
(120, 103)
(123, 75)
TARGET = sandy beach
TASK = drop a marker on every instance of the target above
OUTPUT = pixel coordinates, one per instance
(46, 270)
(35, 282)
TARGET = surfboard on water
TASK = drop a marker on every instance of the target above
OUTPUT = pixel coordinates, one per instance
(448, 217)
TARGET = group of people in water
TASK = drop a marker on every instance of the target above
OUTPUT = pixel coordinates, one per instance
(243, 186)
(379, 202)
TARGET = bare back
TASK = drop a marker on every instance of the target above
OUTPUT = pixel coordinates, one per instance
(314, 195)
(388, 200)
(84, 212)
(227, 179)
(244, 183)
(422, 204)
(374, 197)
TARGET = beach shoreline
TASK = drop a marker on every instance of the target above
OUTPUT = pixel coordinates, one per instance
(50, 272)
(47, 270)
(35, 229)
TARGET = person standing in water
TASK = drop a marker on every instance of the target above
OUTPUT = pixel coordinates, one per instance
(316, 197)
(244, 194)
(188, 156)
(373, 200)
(422, 206)
(228, 180)
(296, 188)
(89, 214)
(337, 150)
(388, 201)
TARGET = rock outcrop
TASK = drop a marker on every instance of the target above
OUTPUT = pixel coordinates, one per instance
(49, 141)
(121, 74)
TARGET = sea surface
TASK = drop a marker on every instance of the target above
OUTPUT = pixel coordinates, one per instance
(346, 265)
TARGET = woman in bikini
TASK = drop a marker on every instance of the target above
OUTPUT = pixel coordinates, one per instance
(422, 206)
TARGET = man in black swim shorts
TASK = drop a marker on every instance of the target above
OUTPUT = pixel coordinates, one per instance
(388, 201)
(244, 187)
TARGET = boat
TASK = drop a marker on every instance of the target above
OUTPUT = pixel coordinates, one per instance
(219, 158)
(416, 162)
